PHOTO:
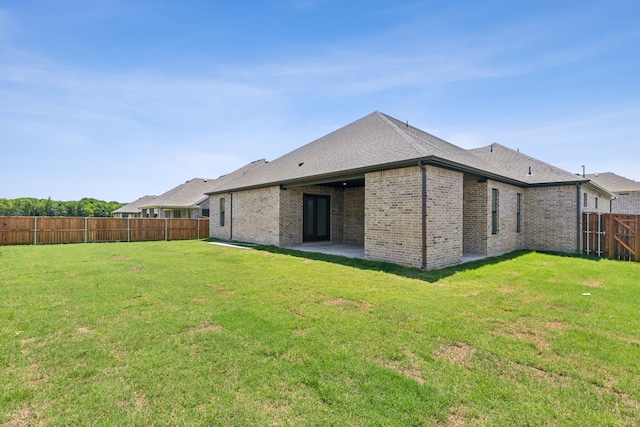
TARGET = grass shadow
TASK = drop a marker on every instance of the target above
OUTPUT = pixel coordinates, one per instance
(398, 270)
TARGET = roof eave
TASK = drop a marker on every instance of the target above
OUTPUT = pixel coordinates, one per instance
(359, 172)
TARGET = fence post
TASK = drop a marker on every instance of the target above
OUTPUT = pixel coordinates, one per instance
(128, 229)
(35, 230)
(198, 228)
(637, 247)
(166, 232)
(599, 234)
(587, 234)
(86, 229)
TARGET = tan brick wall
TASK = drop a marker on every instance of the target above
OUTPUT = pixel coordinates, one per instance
(627, 203)
(354, 215)
(475, 216)
(507, 239)
(291, 213)
(255, 216)
(444, 217)
(550, 218)
(595, 201)
(393, 208)
(393, 216)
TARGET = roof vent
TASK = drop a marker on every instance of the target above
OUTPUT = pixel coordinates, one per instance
(529, 174)
(300, 164)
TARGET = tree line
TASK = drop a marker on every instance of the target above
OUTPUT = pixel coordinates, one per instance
(28, 206)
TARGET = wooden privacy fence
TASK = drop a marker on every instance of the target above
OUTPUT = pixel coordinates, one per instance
(615, 236)
(27, 230)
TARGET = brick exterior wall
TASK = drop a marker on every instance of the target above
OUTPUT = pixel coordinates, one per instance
(444, 217)
(255, 216)
(291, 213)
(385, 216)
(476, 221)
(595, 201)
(507, 238)
(393, 209)
(274, 216)
(393, 216)
(354, 216)
(627, 203)
(550, 218)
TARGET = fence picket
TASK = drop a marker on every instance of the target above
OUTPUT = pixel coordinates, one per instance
(618, 236)
(15, 230)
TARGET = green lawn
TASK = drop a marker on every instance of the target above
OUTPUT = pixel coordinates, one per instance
(187, 333)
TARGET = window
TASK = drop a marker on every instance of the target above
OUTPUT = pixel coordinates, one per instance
(596, 203)
(585, 200)
(518, 213)
(205, 212)
(222, 212)
(494, 211)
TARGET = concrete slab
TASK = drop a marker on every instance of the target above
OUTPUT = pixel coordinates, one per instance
(346, 250)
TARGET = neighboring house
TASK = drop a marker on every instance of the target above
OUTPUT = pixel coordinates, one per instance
(132, 209)
(627, 192)
(407, 196)
(189, 200)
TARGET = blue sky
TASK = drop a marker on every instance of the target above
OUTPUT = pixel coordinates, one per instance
(118, 99)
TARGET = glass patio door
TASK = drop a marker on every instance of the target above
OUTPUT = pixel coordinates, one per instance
(316, 214)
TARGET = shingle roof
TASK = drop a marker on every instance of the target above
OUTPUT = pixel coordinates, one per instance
(194, 191)
(613, 182)
(374, 142)
(184, 195)
(521, 167)
(378, 142)
(134, 207)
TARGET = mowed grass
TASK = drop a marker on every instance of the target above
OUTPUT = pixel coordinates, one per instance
(188, 333)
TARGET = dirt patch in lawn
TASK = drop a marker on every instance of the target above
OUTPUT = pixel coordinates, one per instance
(593, 283)
(205, 329)
(458, 354)
(520, 330)
(410, 367)
(346, 304)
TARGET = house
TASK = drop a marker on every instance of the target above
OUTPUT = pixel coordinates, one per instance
(187, 200)
(627, 191)
(406, 196)
(132, 209)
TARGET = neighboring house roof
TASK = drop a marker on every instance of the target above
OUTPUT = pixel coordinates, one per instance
(134, 207)
(186, 195)
(613, 182)
(519, 166)
(193, 192)
(379, 142)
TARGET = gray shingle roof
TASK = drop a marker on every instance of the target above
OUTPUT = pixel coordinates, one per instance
(378, 142)
(193, 192)
(134, 207)
(521, 167)
(613, 182)
(374, 142)
(184, 195)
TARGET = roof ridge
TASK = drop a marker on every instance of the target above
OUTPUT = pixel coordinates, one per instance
(405, 136)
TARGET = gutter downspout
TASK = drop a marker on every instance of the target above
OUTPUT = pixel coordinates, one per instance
(578, 219)
(424, 214)
(230, 216)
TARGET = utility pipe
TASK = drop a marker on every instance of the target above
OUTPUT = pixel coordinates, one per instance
(424, 214)
(578, 218)
(230, 216)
